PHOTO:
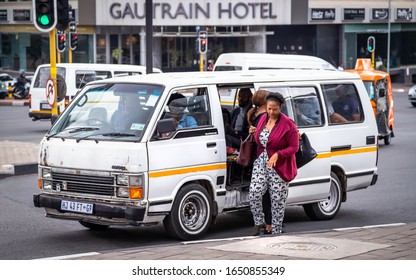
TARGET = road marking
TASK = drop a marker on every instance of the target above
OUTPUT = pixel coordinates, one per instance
(71, 256)
(373, 226)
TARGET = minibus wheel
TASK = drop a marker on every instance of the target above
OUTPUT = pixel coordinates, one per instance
(93, 226)
(327, 209)
(191, 213)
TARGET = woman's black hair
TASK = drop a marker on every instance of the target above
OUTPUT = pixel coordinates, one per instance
(275, 96)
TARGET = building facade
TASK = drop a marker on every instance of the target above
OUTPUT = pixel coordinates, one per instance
(115, 31)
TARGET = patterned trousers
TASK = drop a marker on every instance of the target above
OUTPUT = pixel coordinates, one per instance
(264, 178)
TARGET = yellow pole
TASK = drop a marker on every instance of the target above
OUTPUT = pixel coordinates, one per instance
(201, 62)
(70, 56)
(372, 60)
(58, 58)
(52, 53)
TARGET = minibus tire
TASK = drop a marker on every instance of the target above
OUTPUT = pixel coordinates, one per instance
(191, 213)
(93, 226)
(327, 209)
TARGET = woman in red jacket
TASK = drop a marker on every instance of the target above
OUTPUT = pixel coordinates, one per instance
(277, 141)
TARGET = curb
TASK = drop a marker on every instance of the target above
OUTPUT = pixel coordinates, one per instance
(14, 102)
(18, 169)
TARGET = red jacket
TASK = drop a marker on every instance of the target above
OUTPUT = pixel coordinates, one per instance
(283, 139)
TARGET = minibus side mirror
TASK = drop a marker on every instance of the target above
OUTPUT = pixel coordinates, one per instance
(166, 126)
(381, 92)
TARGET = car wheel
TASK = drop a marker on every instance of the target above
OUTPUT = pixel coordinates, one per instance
(93, 226)
(414, 104)
(327, 209)
(190, 216)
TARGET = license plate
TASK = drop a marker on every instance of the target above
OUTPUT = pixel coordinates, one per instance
(45, 106)
(79, 207)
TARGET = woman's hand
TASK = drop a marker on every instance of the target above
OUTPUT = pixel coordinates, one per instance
(272, 161)
(252, 129)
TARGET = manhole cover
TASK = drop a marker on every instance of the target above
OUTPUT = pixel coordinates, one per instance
(302, 246)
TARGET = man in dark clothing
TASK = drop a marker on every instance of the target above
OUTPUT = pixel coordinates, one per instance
(238, 116)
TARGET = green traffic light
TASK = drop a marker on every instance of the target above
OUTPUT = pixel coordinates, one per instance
(44, 20)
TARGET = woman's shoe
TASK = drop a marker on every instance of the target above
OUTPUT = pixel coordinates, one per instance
(256, 230)
(266, 232)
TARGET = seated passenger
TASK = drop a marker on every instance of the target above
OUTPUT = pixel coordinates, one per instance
(308, 111)
(177, 106)
(129, 114)
(346, 105)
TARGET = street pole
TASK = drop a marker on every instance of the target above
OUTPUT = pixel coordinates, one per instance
(149, 36)
(388, 40)
(52, 53)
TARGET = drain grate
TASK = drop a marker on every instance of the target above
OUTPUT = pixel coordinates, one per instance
(302, 246)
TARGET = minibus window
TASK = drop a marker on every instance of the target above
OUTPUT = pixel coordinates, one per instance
(109, 112)
(228, 68)
(188, 108)
(343, 103)
(307, 108)
(44, 74)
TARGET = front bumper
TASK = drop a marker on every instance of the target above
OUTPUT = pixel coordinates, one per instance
(131, 214)
(39, 116)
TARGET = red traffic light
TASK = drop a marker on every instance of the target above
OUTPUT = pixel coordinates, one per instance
(61, 41)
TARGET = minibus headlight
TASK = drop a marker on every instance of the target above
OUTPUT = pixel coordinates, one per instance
(47, 185)
(46, 173)
(136, 180)
(123, 192)
(122, 179)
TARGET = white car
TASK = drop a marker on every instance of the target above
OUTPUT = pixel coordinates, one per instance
(412, 95)
(5, 81)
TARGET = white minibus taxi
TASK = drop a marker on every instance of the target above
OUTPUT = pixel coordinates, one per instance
(103, 167)
(75, 76)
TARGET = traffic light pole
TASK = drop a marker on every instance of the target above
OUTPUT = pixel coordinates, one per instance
(372, 60)
(52, 53)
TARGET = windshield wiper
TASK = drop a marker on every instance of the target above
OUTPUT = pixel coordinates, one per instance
(115, 134)
(111, 134)
(54, 134)
(87, 128)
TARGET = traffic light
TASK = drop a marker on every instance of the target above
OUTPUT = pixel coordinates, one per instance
(60, 41)
(371, 44)
(203, 42)
(44, 15)
(73, 35)
(63, 14)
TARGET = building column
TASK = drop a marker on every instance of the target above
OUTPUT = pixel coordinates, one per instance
(256, 44)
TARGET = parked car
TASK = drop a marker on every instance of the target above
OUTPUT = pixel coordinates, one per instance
(412, 95)
(6, 82)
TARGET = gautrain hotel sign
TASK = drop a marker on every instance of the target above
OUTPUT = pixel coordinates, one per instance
(194, 12)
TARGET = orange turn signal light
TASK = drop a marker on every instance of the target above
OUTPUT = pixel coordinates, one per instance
(136, 193)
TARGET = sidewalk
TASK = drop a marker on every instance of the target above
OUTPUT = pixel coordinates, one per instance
(388, 242)
(17, 158)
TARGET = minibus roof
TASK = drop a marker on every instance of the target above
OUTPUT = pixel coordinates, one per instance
(254, 61)
(102, 67)
(177, 79)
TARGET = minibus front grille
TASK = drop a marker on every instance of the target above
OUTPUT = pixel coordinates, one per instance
(83, 184)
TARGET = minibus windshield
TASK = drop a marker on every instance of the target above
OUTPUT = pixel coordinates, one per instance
(109, 111)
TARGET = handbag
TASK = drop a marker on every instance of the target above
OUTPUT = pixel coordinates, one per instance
(305, 153)
(247, 153)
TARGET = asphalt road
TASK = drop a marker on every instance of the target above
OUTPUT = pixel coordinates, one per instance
(26, 234)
